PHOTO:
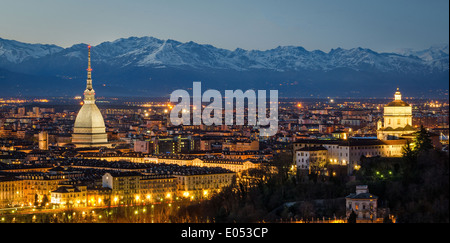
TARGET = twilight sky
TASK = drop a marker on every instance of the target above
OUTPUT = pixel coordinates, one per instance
(381, 25)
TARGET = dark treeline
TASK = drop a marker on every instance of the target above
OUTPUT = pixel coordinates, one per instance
(265, 202)
(414, 188)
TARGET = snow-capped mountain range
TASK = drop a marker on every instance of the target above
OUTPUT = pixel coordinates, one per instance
(149, 51)
(147, 55)
(17, 52)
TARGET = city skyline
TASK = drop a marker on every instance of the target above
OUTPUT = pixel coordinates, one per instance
(175, 125)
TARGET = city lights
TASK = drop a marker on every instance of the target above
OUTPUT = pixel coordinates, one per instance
(146, 130)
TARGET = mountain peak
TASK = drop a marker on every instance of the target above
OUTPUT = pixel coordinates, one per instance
(17, 52)
(149, 51)
(151, 66)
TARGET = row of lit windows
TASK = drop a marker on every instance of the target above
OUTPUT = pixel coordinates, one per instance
(363, 206)
(68, 195)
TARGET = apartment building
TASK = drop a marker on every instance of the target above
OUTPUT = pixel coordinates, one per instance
(349, 152)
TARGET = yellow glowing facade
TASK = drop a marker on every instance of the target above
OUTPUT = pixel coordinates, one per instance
(28, 190)
(11, 193)
(155, 188)
(397, 119)
(202, 186)
(234, 165)
(69, 196)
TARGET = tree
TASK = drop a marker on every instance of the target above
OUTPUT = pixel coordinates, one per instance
(387, 220)
(36, 203)
(422, 145)
(44, 200)
(410, 163)
(307, 210)
(283, 163)
(409, 153)
(422, 141)
(352, 218)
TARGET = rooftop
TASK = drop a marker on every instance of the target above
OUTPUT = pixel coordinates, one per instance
(361, 196)
(397, 103)
(312, 148)
(351, 142)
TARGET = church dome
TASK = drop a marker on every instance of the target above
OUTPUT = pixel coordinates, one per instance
(89, 116)
(397, 100)
(397, 103)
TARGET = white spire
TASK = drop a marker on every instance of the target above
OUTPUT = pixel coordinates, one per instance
(89, 69)
(89, 93)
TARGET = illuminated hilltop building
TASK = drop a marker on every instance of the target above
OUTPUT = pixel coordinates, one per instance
(397, 119)
(347, 152)
(89, 129)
